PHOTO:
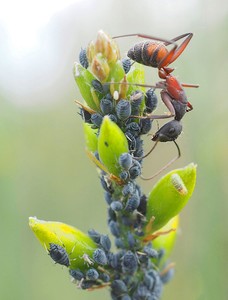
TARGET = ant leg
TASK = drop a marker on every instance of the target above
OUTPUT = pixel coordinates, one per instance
(145, 36)
(167, 165)
(182, 46)
(175, 52)
(179, 37)
(165, 98)
(190, 85)
(168, 103)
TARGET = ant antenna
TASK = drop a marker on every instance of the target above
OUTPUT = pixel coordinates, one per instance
(167, 165)
(148, 153)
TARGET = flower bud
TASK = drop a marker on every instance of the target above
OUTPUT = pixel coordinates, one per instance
(170, 195)
(100, 67)
(111, 144)
(70, 241)
(107, 47)
(102, 55)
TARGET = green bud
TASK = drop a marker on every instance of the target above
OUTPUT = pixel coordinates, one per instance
(100, 67)
(75, 242)
(170, 195)
(103, 45)
(116, 74)
(167, 241)
(83, 78)
(136, 75)
(90, 137)
(111, 144)
(102, 55)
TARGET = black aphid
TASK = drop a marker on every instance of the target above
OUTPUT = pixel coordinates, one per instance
(100, 257)
(150, 252)
(96, 119)
(151, 101)
(125, 161)
(124, 175)
(118, 287)
(108, 197)
(59, 254)
(114, 228)
(128, 189)
(95, 236)
(105, 242)
(97, 85)
(135, 170)
(104, 277)
(113, 118)
(133, 128)
(92, 274)
(106, 106)
(86, 116)
(132, 203)
(116, 206)
(107, 186)
(129, 263)
(126, 63)
(131, 140)
(87, 284)
(77, 274)
(123, 109)
(145, 125)
(83, 58)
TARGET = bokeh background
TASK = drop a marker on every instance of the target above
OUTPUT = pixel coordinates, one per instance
(44, 170)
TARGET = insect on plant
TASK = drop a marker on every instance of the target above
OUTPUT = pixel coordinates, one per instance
(59, 254)
(115, 121)
(154, 53)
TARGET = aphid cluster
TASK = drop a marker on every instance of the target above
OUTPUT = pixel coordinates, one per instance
(131, 272)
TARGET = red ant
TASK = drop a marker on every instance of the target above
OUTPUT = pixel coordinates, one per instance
(155, 54)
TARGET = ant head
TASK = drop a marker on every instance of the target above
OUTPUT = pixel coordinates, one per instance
(168, 132)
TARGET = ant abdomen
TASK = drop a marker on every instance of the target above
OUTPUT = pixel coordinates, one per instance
(148, 53)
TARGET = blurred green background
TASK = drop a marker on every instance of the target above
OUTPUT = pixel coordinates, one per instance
(44, 170)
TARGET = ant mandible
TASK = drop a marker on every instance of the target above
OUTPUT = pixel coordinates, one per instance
(155, 54)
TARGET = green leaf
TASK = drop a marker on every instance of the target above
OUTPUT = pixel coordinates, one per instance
(167, 241)
(116, 74)
(170, 195)
(111, 144)
(75, 242)
(83, 78)
(90, 137)
(136, 75)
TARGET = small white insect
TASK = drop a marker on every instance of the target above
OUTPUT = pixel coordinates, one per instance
(178, 184)
(87, 259)
(116, 95)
